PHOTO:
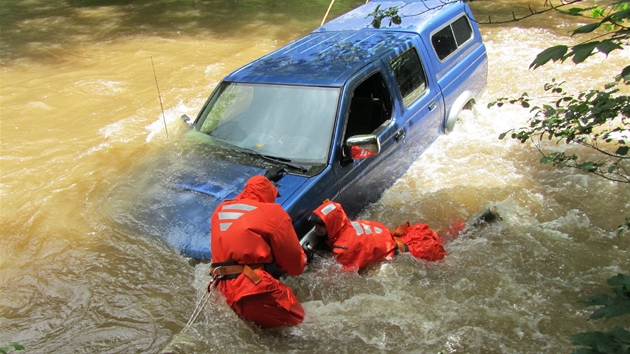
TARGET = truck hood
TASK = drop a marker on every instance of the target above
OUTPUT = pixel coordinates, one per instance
(173, 196)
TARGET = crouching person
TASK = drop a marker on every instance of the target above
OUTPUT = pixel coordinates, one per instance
(250, 236)
(360, 243)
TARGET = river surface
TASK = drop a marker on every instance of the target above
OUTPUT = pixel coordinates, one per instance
(80, 111)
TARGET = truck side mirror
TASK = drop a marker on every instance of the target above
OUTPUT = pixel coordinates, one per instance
(189, 121)
(364, 146)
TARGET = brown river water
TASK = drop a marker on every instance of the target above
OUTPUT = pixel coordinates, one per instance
(80, 111)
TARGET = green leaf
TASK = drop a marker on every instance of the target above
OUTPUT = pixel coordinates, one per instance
(376, 23)
(619, 16)
(613, 342)
(586, 28)
(625, 74)
(597, 13)
(575, 10)
(619, 280)
(607, 46)
(16, 346)
(622, 150)
(612, 306)
(583, 51)
(552, 53)
(546, 160)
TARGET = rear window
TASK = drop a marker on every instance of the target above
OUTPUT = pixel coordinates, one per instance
(450, 38)
(409, 75)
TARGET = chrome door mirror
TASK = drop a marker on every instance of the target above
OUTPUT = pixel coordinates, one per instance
(364, 146)
(189, 121)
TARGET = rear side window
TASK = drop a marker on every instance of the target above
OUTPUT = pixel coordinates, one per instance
(451, 37)
(409, 75)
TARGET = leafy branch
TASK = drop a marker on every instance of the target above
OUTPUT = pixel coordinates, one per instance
(616, 340)
(532, 12)
(392, 12)
(379, 15)
(395, 18)
(599, 120)
(614, 20)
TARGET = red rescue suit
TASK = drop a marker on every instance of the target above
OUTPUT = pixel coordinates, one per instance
(421, 241)
(252, 230)
(355, 244)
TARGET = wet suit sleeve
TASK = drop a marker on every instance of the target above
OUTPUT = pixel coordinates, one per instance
(285, 246)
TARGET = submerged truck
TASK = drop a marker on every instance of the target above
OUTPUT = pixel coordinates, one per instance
(344, 110)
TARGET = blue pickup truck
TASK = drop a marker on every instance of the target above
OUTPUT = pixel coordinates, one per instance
(344, 110)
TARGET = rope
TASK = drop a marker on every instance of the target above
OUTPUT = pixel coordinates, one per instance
(201, 302)
(327, 11)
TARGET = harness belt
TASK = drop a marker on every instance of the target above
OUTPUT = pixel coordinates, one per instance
(401, 247)
(231, 270)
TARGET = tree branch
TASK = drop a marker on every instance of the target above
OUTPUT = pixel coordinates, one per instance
(532, 12)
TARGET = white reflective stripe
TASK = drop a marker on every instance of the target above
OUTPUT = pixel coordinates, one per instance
(230, 216)
(357, 228)
(244, 207)
(328, 208)
(368, 229)
(378, 230)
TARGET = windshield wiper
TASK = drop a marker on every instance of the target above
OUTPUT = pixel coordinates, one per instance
(278, 160)
(286, 162)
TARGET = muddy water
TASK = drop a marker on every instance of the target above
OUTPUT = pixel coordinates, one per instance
(80, 108)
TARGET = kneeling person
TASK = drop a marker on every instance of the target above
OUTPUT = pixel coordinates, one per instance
(249, 234)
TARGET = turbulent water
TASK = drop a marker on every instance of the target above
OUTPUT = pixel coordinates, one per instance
(80, 111)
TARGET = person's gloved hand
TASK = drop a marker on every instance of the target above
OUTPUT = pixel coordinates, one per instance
(274, 174)
(309, 252)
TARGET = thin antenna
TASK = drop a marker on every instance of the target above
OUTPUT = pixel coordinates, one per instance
(327, 11)
(160, 96)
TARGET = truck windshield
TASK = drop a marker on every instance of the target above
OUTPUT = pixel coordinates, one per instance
(289, 122)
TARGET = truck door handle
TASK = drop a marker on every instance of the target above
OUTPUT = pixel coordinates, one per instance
(432, 105)
(400, 136)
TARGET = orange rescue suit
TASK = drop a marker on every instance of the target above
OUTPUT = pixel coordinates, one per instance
(252, 230)
(421, 241)
(357, 244)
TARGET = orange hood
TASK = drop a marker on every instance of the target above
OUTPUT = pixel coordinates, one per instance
(260, 189)
(334, 217)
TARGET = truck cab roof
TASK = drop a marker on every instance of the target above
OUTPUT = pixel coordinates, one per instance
(333, 52)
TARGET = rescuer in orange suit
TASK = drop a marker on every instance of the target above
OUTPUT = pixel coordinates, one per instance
(360, 243)
(252, 237)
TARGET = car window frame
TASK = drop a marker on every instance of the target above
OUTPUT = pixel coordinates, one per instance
(453, 36)
(408, 103)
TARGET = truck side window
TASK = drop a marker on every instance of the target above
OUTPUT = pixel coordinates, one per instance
(450, 38)
(409, 75)
(370, 107)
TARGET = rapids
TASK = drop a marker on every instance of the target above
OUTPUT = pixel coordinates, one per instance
(80, 111)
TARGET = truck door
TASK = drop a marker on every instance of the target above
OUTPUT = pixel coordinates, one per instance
(369, 109)
(420, 103)
(400, 105)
